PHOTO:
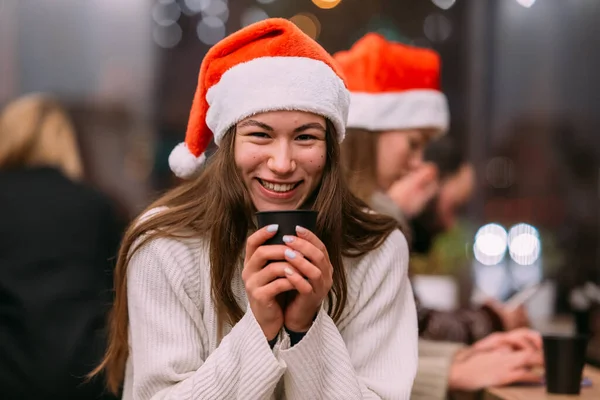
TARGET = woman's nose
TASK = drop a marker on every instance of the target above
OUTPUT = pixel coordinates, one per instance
(281, 161)
(416, 160)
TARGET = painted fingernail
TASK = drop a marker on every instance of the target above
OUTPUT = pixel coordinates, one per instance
(288, 239)
(288, 271)
(289, 253)
(272, 228)
(300, 230)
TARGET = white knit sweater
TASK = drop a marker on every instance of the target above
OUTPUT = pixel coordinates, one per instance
(371, 353)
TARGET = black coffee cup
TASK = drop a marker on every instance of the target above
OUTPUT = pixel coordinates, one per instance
(564, 358)
(582, 320)
(287, 221)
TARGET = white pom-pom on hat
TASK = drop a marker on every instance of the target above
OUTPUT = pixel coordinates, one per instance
(183, 163)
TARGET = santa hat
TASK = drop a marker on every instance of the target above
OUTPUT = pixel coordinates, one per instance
(393, 86)
(267, 66)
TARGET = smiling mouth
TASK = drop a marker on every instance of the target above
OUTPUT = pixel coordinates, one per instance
(279, 187)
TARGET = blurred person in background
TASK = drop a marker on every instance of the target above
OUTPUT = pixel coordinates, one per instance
(397, 108)
(456, 179)
(56, 239)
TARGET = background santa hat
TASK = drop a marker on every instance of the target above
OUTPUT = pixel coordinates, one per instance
(271, 65)
(393, 86)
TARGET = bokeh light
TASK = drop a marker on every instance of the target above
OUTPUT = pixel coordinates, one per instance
(326, 4)
(252, 15)
(167, 36)
(444, 4)
(166, 14)
(524, 244)
(217, 8)
(490, 244)
(308, 23)
(437, 27)
(195, 6)
(526, 3)
(210, 30)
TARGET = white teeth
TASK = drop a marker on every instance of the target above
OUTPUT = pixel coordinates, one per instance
(276, 187)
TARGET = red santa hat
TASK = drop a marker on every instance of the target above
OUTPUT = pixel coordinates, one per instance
(393, 86)
(270, 65)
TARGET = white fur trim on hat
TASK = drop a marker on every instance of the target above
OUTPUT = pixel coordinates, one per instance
(422, 108)
(183, 163)
(277, 83)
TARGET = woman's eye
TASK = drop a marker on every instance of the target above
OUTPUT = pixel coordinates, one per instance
(305, 137)
(259, 135)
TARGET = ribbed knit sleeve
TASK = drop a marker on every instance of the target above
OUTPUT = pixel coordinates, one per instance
(372, 354)
(435, 360)
(168, 336)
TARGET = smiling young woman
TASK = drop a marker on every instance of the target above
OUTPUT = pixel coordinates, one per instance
(196, 314)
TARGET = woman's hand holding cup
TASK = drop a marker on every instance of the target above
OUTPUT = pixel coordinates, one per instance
(286, 249)
(308, 255)
(265, 277)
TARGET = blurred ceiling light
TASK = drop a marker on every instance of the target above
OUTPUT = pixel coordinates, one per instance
(437, 27)
(526, 3)
(217, 8)
(166, 14)
(308, 23)
(266, 1)
(326, 4)
(167, 36)
(444, 4)
(490, 244)
(252, 15)
(524, 244)
(210, 30)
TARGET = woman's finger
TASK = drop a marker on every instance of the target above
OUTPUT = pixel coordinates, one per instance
(308, 250)
(306, 269)
(312, 238)
(259, 237)
(526, 359)
(268, 292)
(533, 338)
(269, 273)
(299, 282)
(522, 375)
(263, 255)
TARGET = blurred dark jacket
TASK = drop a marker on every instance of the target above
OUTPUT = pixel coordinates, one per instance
(58, 242)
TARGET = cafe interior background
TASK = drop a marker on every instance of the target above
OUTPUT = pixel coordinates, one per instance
(521, 77)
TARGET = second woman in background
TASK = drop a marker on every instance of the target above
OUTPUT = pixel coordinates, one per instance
(396, 109)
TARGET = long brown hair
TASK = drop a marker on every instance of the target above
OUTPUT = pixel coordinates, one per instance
(359, 162)
(206, 208)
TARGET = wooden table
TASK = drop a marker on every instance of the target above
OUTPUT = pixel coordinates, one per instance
(539, 392)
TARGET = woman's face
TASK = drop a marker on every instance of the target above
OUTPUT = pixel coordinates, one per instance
(281, 156)
(398, 153)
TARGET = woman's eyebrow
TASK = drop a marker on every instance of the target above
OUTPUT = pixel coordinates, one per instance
(251, 122)
(312, 125)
